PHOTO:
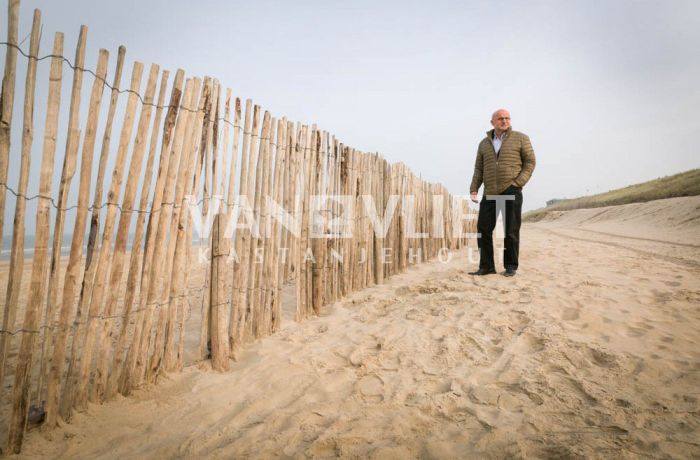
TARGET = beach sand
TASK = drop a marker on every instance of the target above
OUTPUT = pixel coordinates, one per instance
(591, 351)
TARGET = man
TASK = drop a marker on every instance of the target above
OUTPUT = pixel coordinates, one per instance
(504, 163)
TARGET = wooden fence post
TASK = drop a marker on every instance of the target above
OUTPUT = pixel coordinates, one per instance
(160, 207)
(219, 297)
(163, 347)
(69, 160)
(6, 105)
(73, 268)
(176, 283)
(238, 310)
(14, 280)
(76, 387)
(300, 249)
(128, 377)
(164, 245)
(136, 248)
(184, 236)
(257, 244)
(281, 169)
(20, 400)
(104, 345)
(50, 134)
(245, 302)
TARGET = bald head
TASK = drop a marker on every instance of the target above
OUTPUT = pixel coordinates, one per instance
(500, 113)
(500, 120)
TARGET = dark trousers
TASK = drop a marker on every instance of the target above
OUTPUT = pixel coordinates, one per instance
(487, 222)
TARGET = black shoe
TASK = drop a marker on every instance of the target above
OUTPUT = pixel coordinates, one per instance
(482, 272)
(509, 272)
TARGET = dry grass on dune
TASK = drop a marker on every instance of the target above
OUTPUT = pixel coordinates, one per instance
(683, 184)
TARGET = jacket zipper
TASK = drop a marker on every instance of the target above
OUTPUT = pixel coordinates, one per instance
(496, 153)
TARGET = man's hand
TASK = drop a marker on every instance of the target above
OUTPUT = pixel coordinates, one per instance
(474, 197)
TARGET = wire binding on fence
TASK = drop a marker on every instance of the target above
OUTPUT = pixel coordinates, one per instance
(122, 91)
(191, 293)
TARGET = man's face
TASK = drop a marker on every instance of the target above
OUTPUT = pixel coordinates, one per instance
(501, 120)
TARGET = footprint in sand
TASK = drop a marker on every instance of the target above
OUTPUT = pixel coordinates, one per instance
(555, 369)
(661, 296)
(415, 314)
(518, 392)
(634, 332)
(686, 295)
(566, 387)
(362, 354)
(533, 344)
(602, 359)
(521, 320)
(570, 314)
(371, 388)
(452, 299)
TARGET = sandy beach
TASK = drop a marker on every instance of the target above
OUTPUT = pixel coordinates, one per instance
(589, 352)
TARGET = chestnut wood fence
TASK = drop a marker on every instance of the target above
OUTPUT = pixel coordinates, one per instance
(133, 299)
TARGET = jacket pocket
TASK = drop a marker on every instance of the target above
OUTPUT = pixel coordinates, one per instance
(514, 171)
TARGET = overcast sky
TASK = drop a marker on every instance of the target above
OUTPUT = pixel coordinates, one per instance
(606, 90)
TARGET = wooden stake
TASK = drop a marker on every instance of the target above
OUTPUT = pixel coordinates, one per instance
(175, 284)
(50, 134)
(136, 247)
(257, 242)
(317, 244)
(238, 312)
(204, 343)
(68, 165)
(104, 343)
(7, 99)
(75, 259)
(129, 377)
(245, 304)
(281, 168)
(180, 282)
(288, 199)
(300, 313)
(294, 133)
(160, 271)
(202, 174)
(314, 144)
(219, 297)
(20, 400)
(344, 244)
(167, 318)
(85, 178)
(80, 380)
(268, 286)
(223, 157)
(14, 280)
(230, 195)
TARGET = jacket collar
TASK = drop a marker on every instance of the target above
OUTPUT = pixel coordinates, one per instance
(490, 132)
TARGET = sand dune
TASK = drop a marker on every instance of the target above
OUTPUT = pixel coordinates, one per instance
(590, 352)
(672, 220)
